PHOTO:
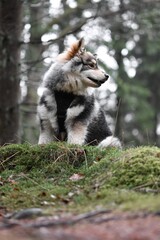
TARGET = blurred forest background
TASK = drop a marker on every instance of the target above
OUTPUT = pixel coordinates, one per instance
(124, 33)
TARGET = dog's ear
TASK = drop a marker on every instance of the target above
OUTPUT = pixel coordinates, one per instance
(81, 44)
(76, 48)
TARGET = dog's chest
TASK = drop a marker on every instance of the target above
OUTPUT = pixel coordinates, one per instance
(63, 100)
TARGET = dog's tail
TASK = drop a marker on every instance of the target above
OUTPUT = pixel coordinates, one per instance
(72, 51)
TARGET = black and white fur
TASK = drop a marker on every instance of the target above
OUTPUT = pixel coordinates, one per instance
(67, 110)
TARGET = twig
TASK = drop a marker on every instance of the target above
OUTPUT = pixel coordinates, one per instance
(7, 159)
(68, 221)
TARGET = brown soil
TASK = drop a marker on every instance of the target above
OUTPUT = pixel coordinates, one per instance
(98, 225)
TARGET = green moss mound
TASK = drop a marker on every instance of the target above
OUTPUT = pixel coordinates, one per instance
(43, 157)
(65, 177)
(137, 168)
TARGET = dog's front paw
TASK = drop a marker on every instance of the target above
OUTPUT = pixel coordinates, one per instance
(110, 142)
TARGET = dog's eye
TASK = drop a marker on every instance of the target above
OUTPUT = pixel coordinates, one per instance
(92, 65)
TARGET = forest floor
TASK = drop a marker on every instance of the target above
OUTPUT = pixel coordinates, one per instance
(70, 192)
(98, 226)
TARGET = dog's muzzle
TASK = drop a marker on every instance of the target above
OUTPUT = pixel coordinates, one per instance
(100, 82)
(105, 78)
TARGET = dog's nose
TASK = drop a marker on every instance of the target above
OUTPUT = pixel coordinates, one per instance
(106, 76)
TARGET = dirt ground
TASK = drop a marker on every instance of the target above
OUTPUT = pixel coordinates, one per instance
(97, 225)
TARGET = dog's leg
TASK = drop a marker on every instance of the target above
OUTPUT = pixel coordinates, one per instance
(47, 113)
(76, 129)
(46, 132)
(76, 133)
(110, 141)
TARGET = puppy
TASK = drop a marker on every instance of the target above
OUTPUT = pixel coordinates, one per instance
(67, 110)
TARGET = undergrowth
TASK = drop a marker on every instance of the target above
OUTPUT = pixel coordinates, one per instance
(61, 177)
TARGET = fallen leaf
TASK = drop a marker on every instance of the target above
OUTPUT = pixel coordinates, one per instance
(70, 194)
(76, 177)
(46, 203)
(53, 196)
(11, 180)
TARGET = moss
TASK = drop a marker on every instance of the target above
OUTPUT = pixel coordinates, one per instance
(39, 176)
(137, 168)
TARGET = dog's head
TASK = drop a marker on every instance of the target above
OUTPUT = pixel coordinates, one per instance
(84, 65)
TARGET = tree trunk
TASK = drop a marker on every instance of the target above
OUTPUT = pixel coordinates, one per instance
(34, 54)
(10, 28)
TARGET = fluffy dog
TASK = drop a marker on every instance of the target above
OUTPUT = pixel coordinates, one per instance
(67, 110)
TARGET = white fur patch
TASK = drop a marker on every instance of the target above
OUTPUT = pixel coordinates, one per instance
(49, 99)
(96, 108)
(50, 73)
(74, 111)
(45, 137)
(42, 111)
(110, 142)
(51, 125)
(76, 134)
